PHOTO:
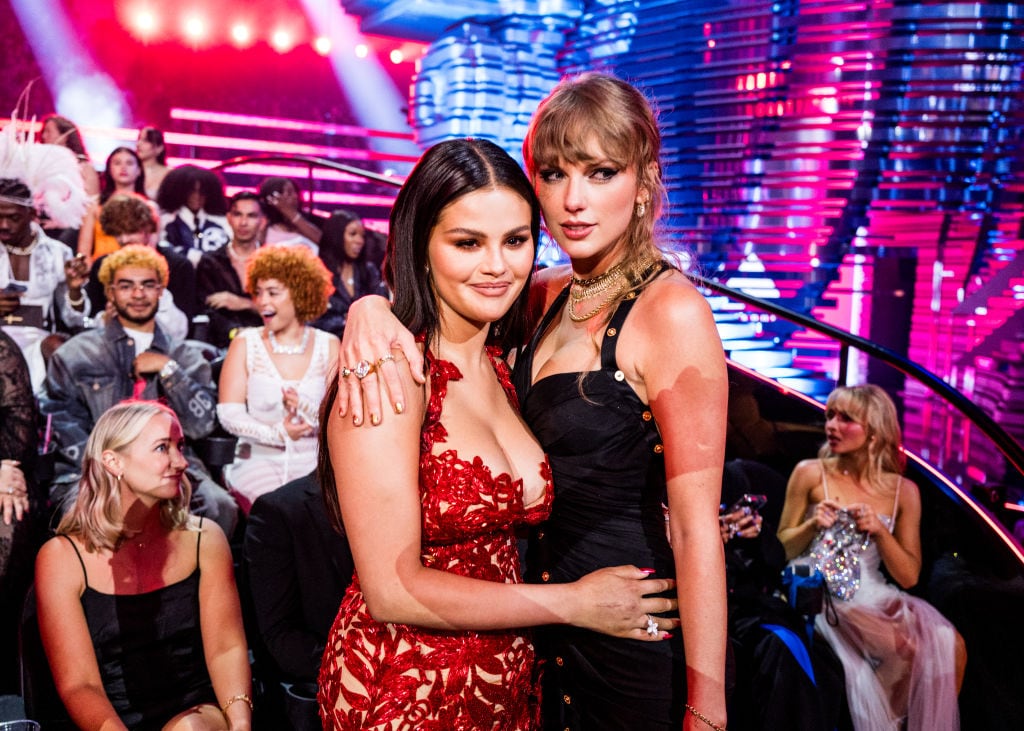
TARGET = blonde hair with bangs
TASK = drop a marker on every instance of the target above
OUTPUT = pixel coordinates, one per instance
(96, 516)
(598, 108)
(871, 407)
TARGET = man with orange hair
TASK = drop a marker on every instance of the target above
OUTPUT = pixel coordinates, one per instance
(132, 357)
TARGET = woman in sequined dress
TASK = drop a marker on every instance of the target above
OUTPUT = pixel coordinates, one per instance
(903, 660)
(429, 634)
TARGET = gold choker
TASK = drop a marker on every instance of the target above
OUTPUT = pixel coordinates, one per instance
(615, 281)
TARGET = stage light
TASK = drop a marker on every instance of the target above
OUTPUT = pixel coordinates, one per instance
(396, 56)
(194, 28)
(144, 21)
(282, 41)
(362, 50)
(241, 34)
(322, 45)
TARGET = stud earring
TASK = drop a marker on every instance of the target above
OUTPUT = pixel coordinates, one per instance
(641, 209)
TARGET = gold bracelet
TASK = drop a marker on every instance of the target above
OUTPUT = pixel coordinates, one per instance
(697, 714)
(240, 697)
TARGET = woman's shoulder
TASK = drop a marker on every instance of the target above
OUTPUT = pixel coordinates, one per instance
(808, 472)
(60, 559)
(909, 492)
(207, 533)
(670, 291)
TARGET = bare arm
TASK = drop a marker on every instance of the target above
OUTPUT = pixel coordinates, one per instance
(220, 618)
(900, 550)
(87, 232)
(66, 638)
(686, 384)
(795, 531)
(381, 507)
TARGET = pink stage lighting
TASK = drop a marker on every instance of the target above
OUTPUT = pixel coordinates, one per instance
(241, 35)
(396, 56)
(194, 28)
(362, 50)
(282, 41)
(144, 21)
(322, 45)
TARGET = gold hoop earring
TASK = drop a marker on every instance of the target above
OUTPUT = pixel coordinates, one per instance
(641, 209)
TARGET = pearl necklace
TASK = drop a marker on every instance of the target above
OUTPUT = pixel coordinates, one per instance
(24, 250)
(276, 347)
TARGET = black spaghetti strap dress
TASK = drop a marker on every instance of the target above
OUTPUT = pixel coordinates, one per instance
(609, 481)
(149, 648)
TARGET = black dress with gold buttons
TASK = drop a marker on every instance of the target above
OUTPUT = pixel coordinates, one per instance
(609, 479)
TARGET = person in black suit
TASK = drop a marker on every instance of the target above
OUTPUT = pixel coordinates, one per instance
(297, 569)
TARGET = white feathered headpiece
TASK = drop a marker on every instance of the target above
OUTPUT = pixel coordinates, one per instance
(50, 172)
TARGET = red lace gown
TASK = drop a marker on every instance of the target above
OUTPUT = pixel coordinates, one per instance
(396, 676)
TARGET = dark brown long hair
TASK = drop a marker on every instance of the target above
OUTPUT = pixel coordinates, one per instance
(446, 172)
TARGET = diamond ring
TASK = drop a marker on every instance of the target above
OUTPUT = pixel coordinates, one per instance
(652, 626)
(363, 369)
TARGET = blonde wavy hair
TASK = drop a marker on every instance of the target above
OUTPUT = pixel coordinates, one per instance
(871, 407)
(97, 516)
(596, 107)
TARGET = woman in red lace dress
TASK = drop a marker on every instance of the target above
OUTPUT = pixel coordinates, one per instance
(429, 634)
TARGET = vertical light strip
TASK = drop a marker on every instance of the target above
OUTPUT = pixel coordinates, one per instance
(370, 92)
(81, 91)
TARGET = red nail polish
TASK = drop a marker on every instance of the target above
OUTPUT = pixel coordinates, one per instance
(648, 571)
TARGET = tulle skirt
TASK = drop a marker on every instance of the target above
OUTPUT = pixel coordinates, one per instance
(899, 655)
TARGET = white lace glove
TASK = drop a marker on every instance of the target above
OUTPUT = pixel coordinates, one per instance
(235, 418)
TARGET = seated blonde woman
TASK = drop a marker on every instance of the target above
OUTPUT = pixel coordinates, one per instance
(138, 611)
(849, 513)
(275, 376)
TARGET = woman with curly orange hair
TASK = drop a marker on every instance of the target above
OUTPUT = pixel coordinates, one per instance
(275, 376)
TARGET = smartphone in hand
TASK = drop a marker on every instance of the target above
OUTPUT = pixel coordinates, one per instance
(13, 288)
(753, 502)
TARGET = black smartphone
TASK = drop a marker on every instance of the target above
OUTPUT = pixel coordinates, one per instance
(748, 500)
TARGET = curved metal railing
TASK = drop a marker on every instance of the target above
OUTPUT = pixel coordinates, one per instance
(1010, 448)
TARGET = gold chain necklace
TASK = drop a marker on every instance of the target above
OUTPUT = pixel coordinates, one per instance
(613, 285)
(614, 280)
